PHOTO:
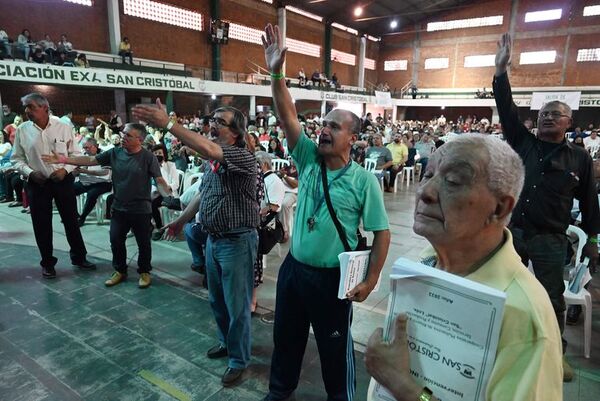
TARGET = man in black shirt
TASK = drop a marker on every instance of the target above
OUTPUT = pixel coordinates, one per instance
(555, 173)
(133, 169)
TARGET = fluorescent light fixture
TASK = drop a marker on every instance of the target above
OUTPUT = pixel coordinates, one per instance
(484, 60)
(213, 97)
(167, 14)
(342, 57)
(395, 65)
(369, 64)
(588, 55)
(344, 28)
(358, 11)
(245, 33)
(81, 2)
(304, 13)
(436, 63)
(546, 15)
(590, 11)
(373, 38)
(540, 57)
(394, 24)
(268, 1)
(300, 47)
(465, 23)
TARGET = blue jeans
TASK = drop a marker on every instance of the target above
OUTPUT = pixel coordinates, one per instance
(230, 269)
(196, 240)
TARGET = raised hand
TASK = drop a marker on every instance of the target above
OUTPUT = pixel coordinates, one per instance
(503, 54)
(274, 50)
(155, 115)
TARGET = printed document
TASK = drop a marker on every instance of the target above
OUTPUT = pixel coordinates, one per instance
(452, 330)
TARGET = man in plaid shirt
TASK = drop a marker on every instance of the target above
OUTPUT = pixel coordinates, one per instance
(229, 212)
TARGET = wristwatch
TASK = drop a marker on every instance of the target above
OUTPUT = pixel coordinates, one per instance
(169, 125)
(425, 395)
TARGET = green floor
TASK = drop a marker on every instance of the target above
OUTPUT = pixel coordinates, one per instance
(72, 338)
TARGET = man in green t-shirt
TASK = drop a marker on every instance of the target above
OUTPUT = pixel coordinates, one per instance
(308, 279)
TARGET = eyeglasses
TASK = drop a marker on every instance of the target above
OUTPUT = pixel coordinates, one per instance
(555, 115)
(218, 121)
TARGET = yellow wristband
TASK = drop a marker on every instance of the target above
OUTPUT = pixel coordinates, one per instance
(425, 395)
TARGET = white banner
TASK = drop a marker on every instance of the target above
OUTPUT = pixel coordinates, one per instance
(539, 99)
(383, 99)
(98, 77)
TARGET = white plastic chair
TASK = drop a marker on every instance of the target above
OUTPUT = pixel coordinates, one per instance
(399, 178)
(278, 164)
(370, 165)
(409, 173)
(101, 207)
(180, 176)
(581, 296)
(189, 180)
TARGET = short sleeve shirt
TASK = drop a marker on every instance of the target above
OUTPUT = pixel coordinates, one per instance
(132, 175)
(356, 196)
(228, 194)
(379, 153)
(399, 152)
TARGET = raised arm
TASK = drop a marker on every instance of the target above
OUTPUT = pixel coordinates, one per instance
(275, 57)
(158, 117)
(512, 128)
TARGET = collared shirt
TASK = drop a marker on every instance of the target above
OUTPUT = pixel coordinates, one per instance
(528, 362)
(554, 175)
(228, 193)
(31, 142)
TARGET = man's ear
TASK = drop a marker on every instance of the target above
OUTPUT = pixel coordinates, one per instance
(504, 207)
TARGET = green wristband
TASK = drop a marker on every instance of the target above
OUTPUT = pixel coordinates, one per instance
(593, 240)
(277, 76)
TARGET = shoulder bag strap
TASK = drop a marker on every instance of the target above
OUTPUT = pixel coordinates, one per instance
(336, 222)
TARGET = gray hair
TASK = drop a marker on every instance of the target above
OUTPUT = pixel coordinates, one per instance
(37, 98)
(91, 141)
(505, 170)
(264, 159)
(565, 106)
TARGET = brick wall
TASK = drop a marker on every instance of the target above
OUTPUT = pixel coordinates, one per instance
(572, 29)
(86, 27)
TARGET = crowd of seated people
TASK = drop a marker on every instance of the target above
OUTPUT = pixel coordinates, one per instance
(318, 79)
(46, 51)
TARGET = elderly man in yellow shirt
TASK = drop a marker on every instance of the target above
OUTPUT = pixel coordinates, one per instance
(465, 200)
(399, 158)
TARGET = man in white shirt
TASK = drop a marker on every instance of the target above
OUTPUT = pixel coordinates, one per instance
(40, 135)
(93, 181)
(592, 141)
